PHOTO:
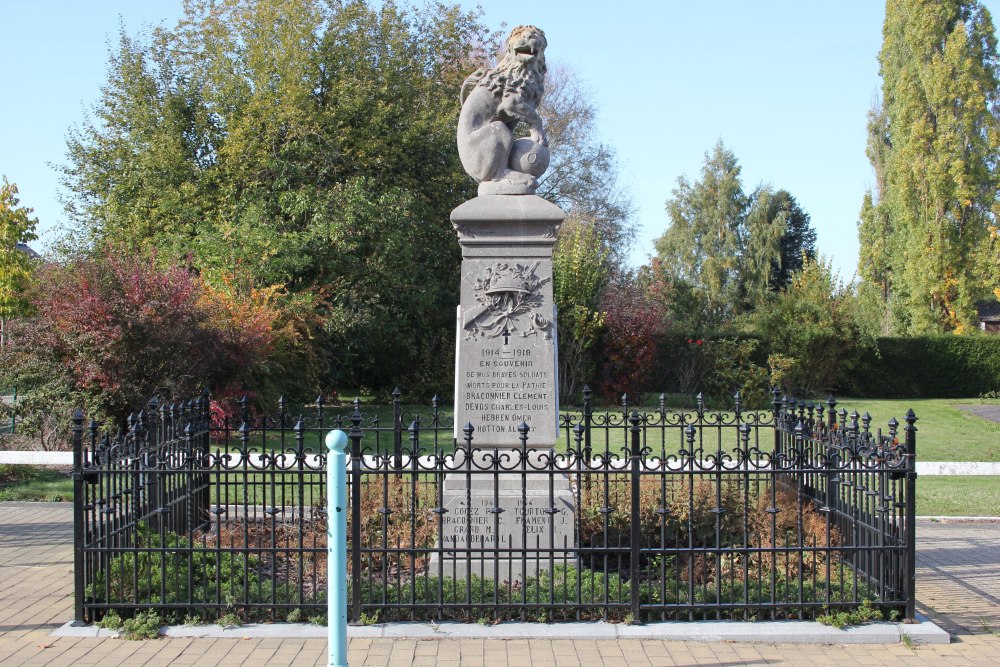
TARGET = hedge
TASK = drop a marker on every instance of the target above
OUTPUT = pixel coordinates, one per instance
(928, 366)
(944, 366)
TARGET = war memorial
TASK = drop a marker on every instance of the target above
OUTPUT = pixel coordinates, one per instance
(514, 505)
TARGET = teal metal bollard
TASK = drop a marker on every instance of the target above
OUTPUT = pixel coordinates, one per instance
(336, 546)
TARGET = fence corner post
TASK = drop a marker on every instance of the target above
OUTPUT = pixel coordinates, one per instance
(911, 515)
(336, 541)
(78, 532)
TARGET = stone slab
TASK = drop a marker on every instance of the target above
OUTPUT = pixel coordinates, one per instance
(507, 379)
(957, 468)
(777, 632)
(925, 632)
(507, 208)
(36, 458)
(771, 632)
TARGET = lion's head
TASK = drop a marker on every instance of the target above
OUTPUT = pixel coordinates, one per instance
(521, 71)
(526, 44)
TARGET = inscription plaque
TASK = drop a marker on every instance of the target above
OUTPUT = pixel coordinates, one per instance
(498, 524)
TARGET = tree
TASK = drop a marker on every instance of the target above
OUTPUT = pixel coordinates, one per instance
(16, 227)
(108, 335)
(874, 267)
(811, 330)
(928, 232)
(582, 177)
(798, 243)
(306, 145)
(633, 325)
(579, 274)
(721, 242)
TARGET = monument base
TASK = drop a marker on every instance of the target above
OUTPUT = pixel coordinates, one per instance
(505, 526)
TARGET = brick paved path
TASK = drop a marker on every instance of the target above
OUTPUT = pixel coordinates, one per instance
(958, 586)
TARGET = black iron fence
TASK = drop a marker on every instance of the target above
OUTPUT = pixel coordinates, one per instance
(635, 514)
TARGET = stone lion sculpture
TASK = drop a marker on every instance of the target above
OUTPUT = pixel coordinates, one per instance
(494, 101)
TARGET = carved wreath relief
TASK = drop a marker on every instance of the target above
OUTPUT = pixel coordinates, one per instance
(508, 300)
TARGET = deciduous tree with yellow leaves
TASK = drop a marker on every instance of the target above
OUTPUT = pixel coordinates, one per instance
(16, 227)
(929, 246)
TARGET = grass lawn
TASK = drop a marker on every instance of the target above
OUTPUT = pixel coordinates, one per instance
(33, 483)
(944, 433)
(958, 496)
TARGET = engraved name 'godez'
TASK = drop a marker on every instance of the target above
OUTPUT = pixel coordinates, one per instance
(509, 300)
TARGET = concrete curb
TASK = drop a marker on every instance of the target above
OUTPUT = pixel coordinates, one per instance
(957, 468)
(31, 458)
(960, 519)
(768, 632)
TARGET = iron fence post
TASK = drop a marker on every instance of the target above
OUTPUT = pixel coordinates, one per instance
(636, 527)
(78, 532)
(355, 436)
(203, 504)
(777, 403)
(911, 515)
(397, 429)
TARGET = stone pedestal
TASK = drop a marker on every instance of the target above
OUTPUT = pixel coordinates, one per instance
(506, 372)
(515, 524)
(506, 375)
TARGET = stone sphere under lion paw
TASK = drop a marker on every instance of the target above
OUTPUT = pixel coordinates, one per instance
(529, 157)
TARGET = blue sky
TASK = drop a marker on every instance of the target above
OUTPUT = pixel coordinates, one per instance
(785, 84)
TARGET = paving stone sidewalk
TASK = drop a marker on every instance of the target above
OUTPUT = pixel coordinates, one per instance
(958, 586)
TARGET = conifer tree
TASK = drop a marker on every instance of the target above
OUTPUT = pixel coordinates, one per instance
(721, 243)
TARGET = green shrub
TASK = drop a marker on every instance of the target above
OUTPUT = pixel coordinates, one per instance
(230, 620)
(144, 625)
(111, 621)
(605, 595)
(864, 613)
(717, 366)
(926, 366)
